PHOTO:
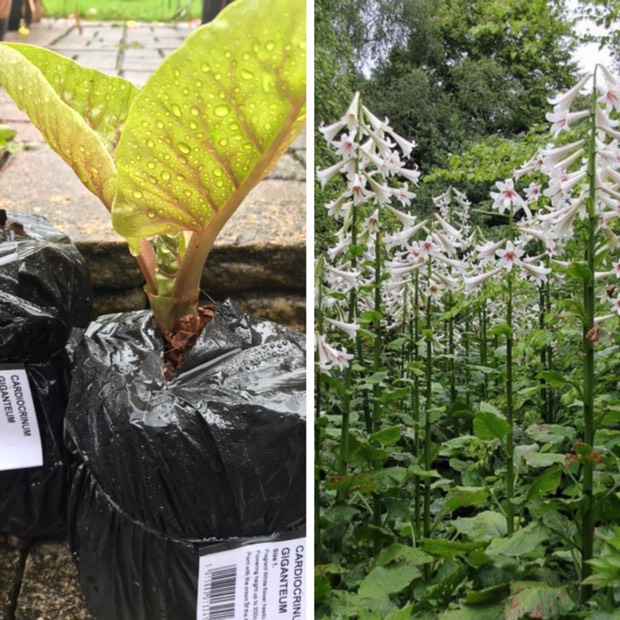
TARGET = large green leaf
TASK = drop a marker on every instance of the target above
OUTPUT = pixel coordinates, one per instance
(212, 120)
(79, 111)
(523, 542)
(490, 425)
(484, 526)
(493, 612)
(385, 580)
(532, 599)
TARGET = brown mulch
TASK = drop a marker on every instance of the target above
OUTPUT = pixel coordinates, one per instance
(180, 341)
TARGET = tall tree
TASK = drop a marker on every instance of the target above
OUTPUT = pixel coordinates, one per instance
(472, 68)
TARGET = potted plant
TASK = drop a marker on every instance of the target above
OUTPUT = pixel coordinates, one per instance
(44, 296)
(183, 435)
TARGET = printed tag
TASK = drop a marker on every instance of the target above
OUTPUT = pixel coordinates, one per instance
(257, 581)
(20, 442)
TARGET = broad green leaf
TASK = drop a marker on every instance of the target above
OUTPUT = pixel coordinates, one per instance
(503, 329)
(542, 459)
(448, 549)
(212, 120)
(6, 134)
(580, 271)
(79, 111)
(416, 470)
(387, 436)
(490, 425)
(351, 483)
(522, 542)
(353, 605)
(339, 514)
(553, 377)
(546, 483)
(488, 407)
(401, 614)
(494, 612)
(533, 599)
(484, 526)
(550, 433)
(402, 554)
(385, 580)
(459, 497)
(390, 477)
(488, 595)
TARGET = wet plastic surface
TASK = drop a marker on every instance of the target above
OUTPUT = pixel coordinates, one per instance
(163, 468)
(44, 293)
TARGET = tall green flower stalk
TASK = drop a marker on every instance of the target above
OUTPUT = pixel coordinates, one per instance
(510, 468)
(428, 374)
(504, 256)
(589, 378)
(348, 373)
(318, 277)
(596, 188)
(483, 344)
(377, 508)
(417, 499)
(374, 175)
(378, 342)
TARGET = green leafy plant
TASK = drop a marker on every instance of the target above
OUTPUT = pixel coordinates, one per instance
(8, 145)
(173, 160)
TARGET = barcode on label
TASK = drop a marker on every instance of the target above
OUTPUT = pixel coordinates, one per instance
(220, 600)
(262, 580)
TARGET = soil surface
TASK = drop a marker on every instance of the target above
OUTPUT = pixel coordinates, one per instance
(180, 341)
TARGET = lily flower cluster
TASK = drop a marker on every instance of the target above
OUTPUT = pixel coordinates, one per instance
(372, 159)
(428, 257)
(590, 162)
(508, 254)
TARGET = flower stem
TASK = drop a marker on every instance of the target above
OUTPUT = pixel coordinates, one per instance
(589, 292)
(483, 345)
(509, 415)
(416, 400)
(510, 474)
(427, 413)
(376, 388)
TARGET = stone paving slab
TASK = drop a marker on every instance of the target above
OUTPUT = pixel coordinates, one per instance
(9, 572)
(50, 587)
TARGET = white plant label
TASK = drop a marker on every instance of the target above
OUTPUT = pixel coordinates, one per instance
(261, 581)
(20, 442)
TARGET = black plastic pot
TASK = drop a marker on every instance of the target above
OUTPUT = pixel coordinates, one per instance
(44, 294)
(164, 468)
